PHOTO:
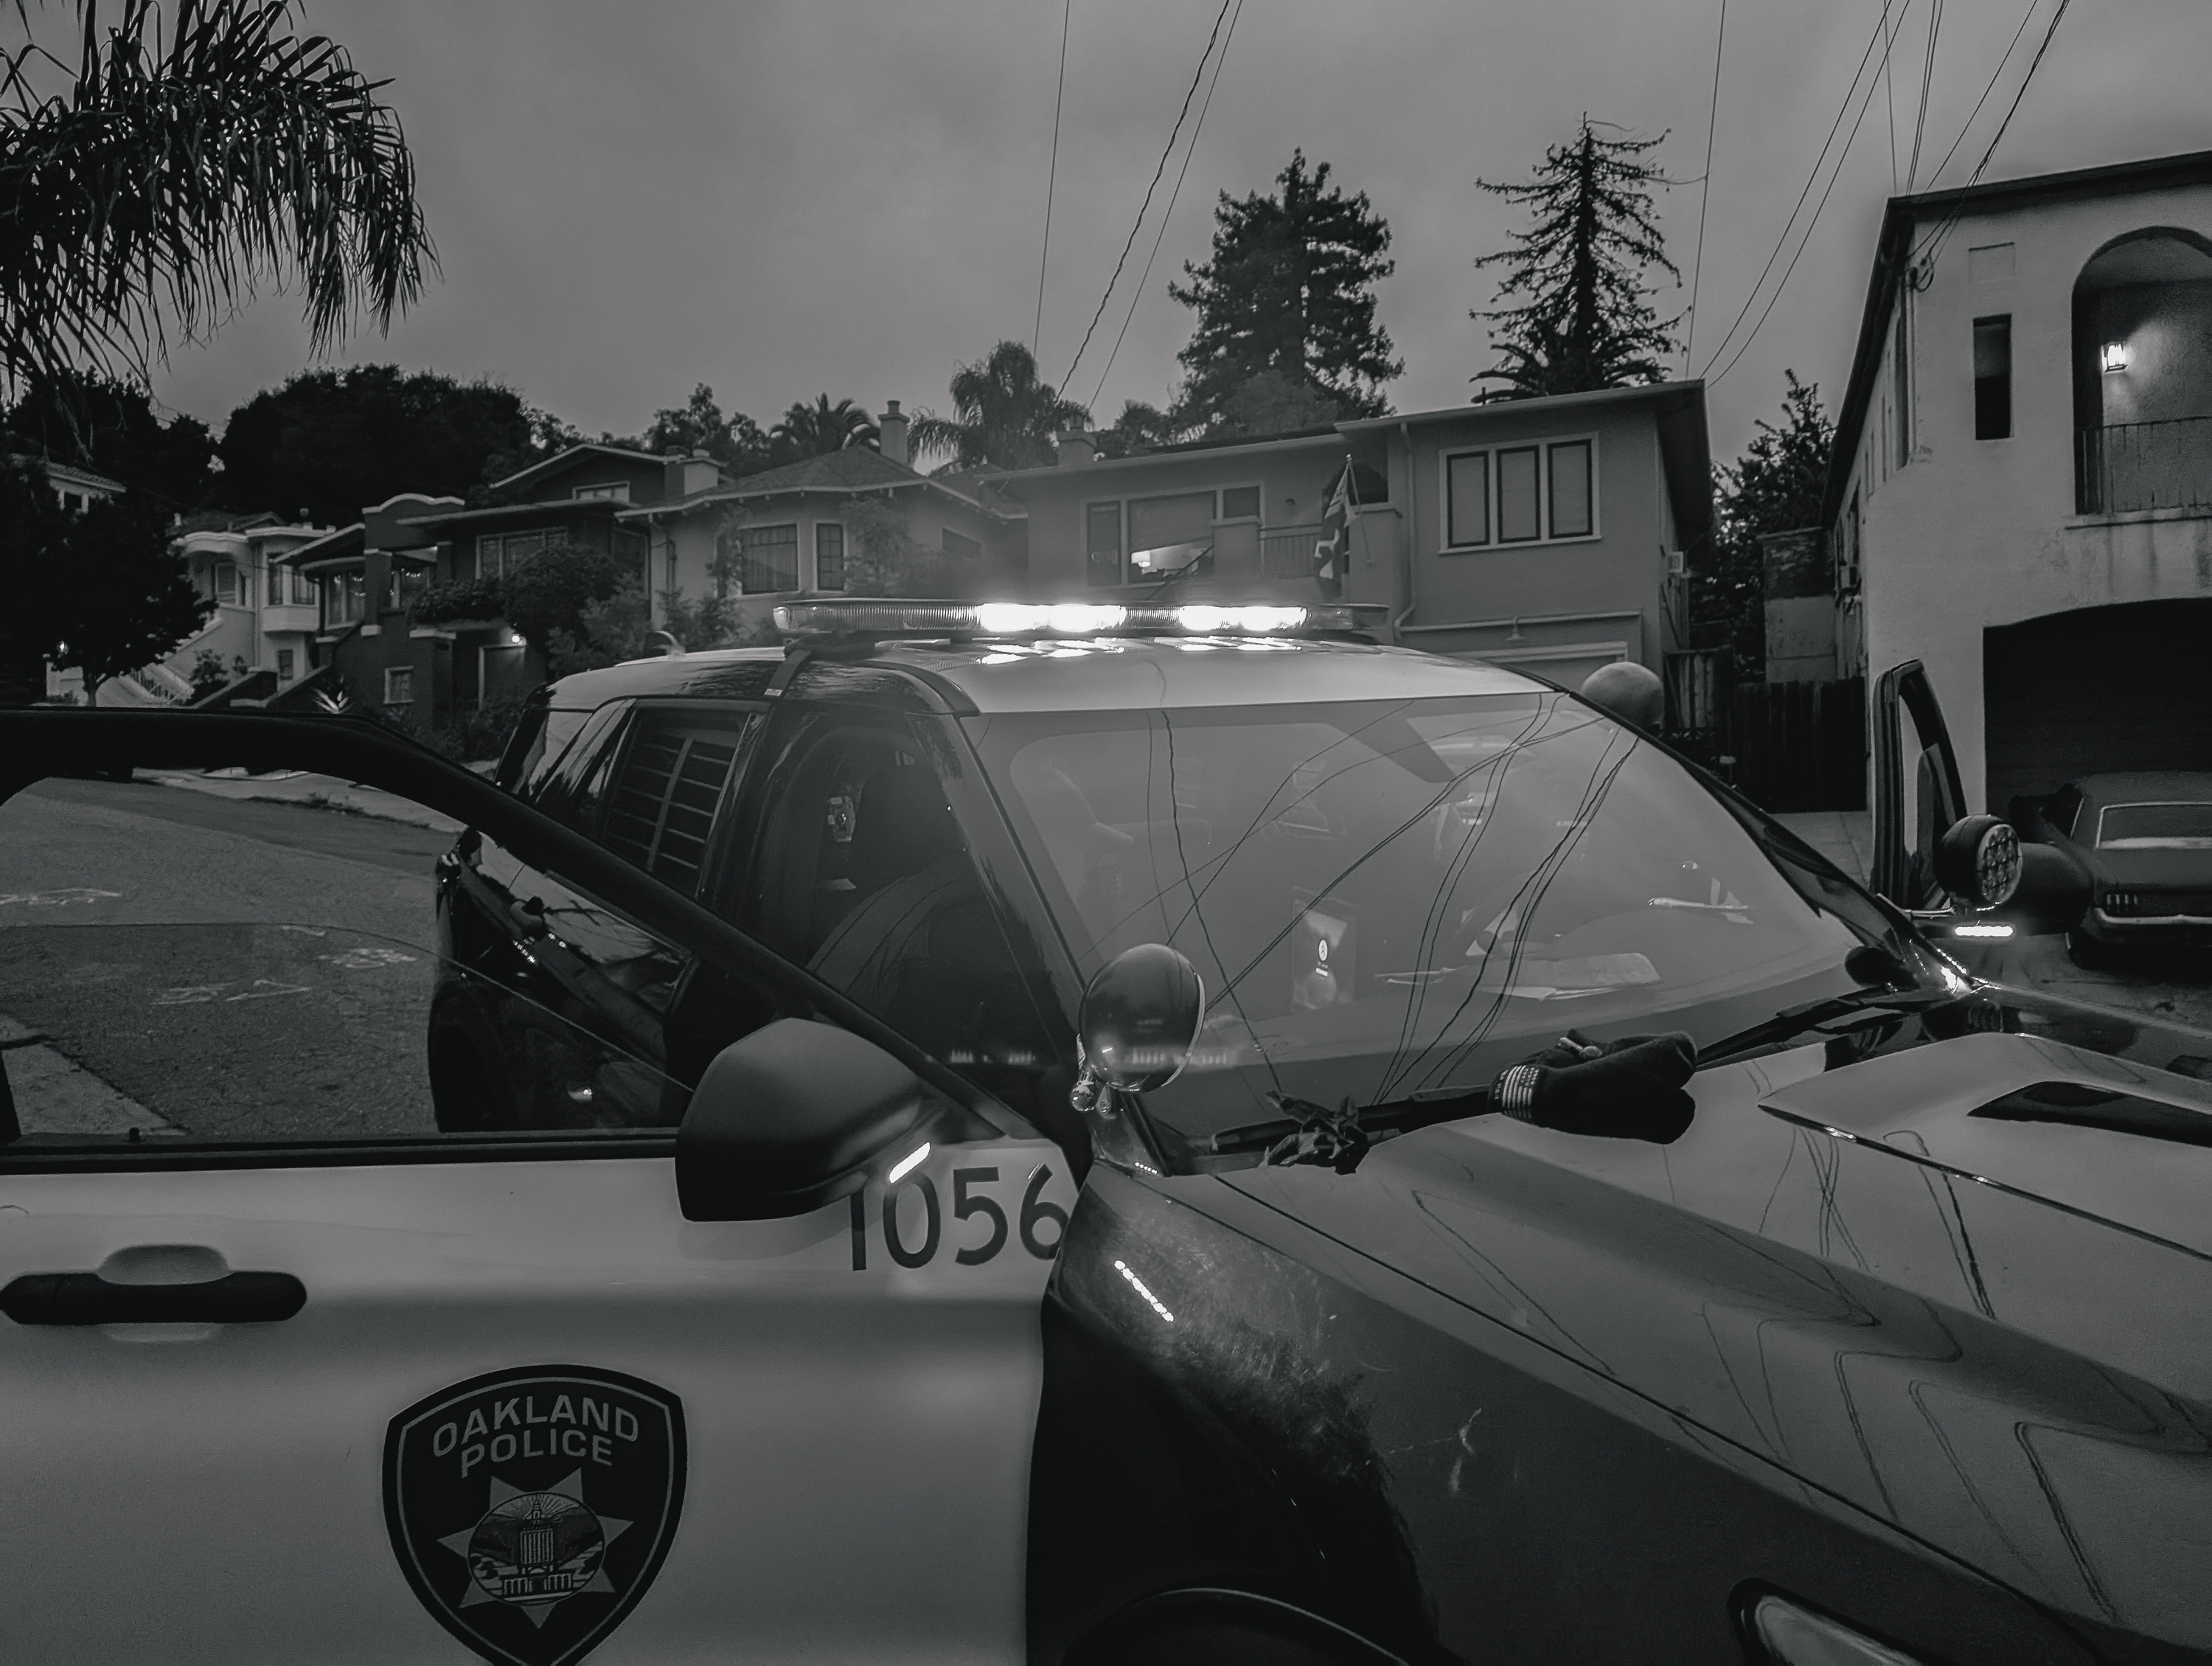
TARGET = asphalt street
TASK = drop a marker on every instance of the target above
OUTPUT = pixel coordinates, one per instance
(173, 961)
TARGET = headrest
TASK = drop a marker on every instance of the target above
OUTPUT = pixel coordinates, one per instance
(901, 826)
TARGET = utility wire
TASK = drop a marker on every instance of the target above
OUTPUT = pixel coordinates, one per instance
(1927, 80)
(1889, 93)
(1819, 162)
(1934, 244)
(1704, 191)
(1051, 178)
(1174, 196)
(1157, 173)
(1994, 78)
(1804, 242)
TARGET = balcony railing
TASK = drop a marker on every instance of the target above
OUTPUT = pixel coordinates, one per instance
(1287, 552)
(2143, 465)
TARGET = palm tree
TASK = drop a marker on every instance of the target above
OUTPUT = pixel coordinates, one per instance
(1007, 416)
(178, 161)
(819, 429)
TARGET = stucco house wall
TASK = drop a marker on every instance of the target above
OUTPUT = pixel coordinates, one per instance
(1940, 536)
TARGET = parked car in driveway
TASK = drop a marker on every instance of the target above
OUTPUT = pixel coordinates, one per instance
(2144, 839)
(1122, 1137)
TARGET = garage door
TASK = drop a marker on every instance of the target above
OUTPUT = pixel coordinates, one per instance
(2099, 689)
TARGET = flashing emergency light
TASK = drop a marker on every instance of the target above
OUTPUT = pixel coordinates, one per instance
(926, 619)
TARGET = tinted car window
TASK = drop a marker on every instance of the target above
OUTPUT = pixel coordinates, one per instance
(1377, 894)
(662, 804)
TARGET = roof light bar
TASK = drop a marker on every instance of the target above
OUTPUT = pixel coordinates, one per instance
(900, 618)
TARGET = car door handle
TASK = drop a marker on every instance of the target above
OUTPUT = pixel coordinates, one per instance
(86, 1298)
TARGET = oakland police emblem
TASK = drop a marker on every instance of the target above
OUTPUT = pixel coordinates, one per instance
(530, 1509)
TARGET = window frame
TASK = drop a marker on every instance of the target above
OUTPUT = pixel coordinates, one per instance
(1543, 446)
(844, 569)
(746, 536)
(2001, 379)
(1121, 506)
(604, 491)
(406, 671)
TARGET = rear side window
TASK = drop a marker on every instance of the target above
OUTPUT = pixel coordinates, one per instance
(670, 785)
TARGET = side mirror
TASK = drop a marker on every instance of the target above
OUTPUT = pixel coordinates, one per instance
(795, 1116)
(1140, 1020)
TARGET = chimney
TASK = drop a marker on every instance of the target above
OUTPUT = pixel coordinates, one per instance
(672, 465)
(892, 428)
(1072, 449)
(702, 473)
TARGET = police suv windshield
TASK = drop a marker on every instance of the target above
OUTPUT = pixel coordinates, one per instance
(1384, 896)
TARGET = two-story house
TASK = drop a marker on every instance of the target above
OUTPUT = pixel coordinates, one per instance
(1548, 534)
(412, 617)
(858, 521)
(267, 613)
(2021, 494)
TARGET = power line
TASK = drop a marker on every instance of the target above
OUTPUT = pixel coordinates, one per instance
(1142, 207)
(1705, 191)
(1051, 178)
(1842, 157)
(1995, 76)
(1934, 244)
(1889, 94)
(1927, 80)
(1190, 150)
(1819, 162)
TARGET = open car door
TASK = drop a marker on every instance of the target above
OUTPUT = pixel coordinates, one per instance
(288, 1373)
(1917, 790)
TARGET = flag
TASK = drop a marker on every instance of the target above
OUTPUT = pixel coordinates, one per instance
(1333, 550)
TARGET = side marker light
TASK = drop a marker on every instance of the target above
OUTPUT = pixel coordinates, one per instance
(1793, 1636)
(1989, 930)
(907, 1164)
(1137, 1284)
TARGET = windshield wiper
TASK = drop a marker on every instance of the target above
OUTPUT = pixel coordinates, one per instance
(1793, 1021)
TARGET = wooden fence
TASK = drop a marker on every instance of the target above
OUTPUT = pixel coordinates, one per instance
(1799, 746)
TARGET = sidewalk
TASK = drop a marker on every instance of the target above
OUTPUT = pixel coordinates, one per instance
(314, 792)
(1845, 837)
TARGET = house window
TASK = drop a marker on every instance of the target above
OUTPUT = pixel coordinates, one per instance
(1570, 487)
(345, 597)
(611, 491)
(829, 555)
(283, 665)
(1467, 499)
(1518, 518)
(961, 546)
(1159, 526)
(1240, 502)
(1101, 539)
(226, 583)
(1532, 494)
(498, 554)
(399, 685)
(1993, 378)
(771, 562)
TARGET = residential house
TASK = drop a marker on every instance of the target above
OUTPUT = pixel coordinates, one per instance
(858, 522)
(412, 617)
(2021, 496)
(1548, 534)
(79, 489)
(267, 613)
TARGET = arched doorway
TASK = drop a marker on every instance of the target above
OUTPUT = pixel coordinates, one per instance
(2142, 373)
(2094, 690)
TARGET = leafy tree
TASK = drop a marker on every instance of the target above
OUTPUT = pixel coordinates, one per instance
(885, 558)
(1004, 415)
(820, 428)
(735, 442)
(153, 170)
(1775, 486)
(110, 426)
(1585, 319)
(335, 441)
(548, 592)
(1289, 295)
(1141, 427)
(98, 590)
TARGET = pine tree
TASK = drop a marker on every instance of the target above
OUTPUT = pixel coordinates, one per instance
(1288, 300)
(1585, 319)
(1775, 486)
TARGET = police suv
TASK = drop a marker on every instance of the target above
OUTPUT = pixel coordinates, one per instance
(1081, 1133)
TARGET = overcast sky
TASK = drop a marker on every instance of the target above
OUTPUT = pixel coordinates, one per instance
(785, 197)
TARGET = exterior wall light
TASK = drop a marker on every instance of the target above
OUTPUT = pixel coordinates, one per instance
(2113, 356)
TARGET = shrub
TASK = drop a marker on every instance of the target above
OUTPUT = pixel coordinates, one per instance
(465, 599)
(549, 591)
